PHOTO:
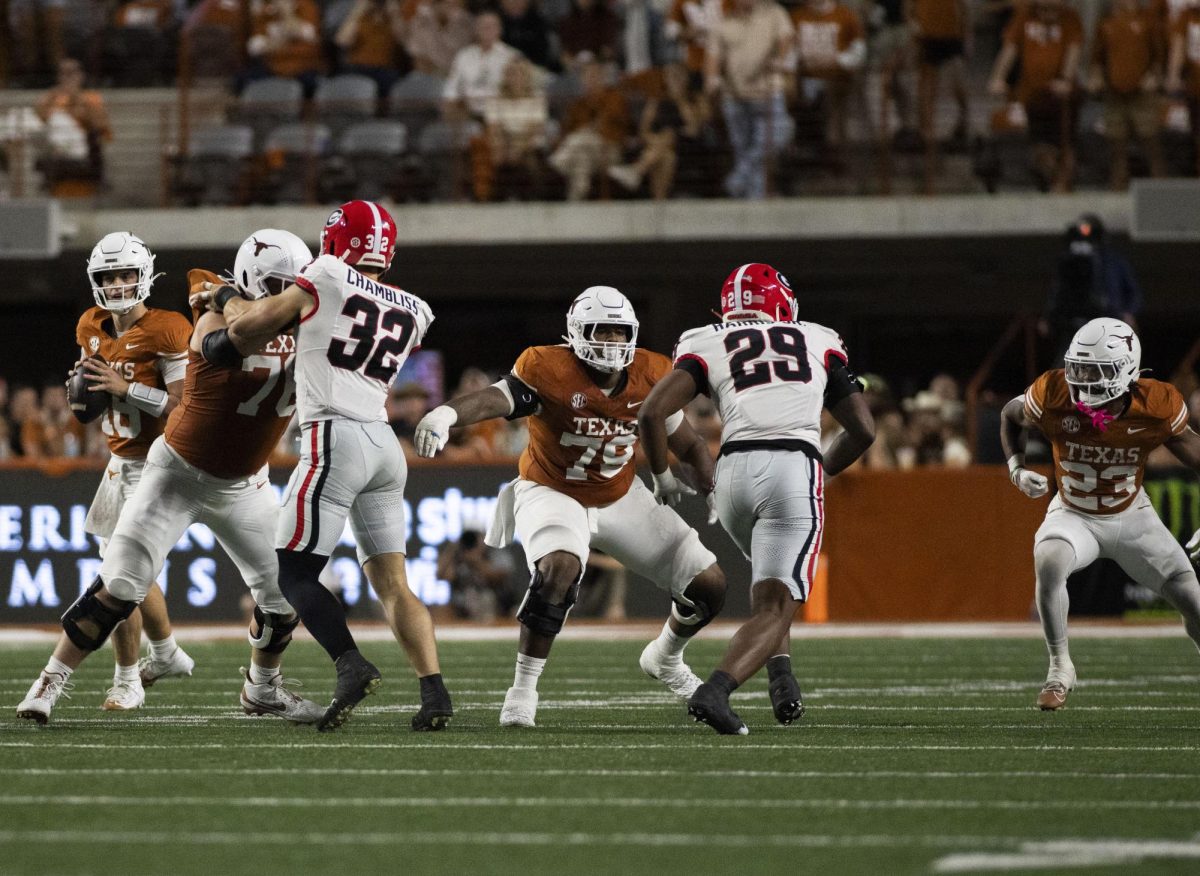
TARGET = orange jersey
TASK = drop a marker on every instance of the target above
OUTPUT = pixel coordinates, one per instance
(155, 346)
(1101, 472)
(581, 442)
(822, 36)
(231, 419)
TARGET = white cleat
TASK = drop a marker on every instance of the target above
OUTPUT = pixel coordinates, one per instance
(520, 707)
(274, 698)
(178, 664)
(671, 671)
(1060, 681)
(124, 696)
(42, 696)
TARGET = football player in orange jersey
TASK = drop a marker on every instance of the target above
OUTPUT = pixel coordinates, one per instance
(140, 359)
(1102, 420)
(577, 488)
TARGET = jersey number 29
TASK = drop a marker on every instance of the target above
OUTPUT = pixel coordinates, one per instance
(375, 338)
(746, 346)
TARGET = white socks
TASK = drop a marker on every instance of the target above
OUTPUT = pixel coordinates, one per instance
(671, 643)
(163, 649)
(126, 674)
(259, 675)
(57, 667)
(528, 671)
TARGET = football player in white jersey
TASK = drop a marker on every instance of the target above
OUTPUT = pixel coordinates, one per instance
(769, 376)
(353, 335)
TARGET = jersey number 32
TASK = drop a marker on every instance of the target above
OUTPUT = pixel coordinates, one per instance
(377, 334)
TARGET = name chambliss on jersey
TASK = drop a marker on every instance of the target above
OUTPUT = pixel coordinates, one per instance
(350, 346)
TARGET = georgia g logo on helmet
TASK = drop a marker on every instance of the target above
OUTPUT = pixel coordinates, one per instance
(757, 291)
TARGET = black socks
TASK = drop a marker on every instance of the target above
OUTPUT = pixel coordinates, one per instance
(779, 666)
(323, 615)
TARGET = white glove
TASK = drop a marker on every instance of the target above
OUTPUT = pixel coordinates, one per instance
(669, 490)
(434, 429)
(1030, 483)
(713, 516)
(1193, 547)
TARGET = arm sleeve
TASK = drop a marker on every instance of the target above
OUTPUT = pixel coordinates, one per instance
(218, 349)
(697, 368)
(841, 383)
(525, 402)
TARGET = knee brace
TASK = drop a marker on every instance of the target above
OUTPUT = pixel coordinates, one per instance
(89, 622)
(698, 608)
(694, 615)
(541, 616)
(274, 631)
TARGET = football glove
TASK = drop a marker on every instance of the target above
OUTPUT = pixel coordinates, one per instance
(669, 490)
(713, 516)
(1030, 483)
(434, 430)
(1193, 547)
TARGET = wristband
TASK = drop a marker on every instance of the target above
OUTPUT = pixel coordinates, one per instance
(224, 295)
(150, 399)
(1016, 463)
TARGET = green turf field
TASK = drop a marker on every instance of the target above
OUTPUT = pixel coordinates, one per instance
(916, 756)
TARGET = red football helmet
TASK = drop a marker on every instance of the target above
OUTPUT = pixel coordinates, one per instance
(757, 291)
(360, 233)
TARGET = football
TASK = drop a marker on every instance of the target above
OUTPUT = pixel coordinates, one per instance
(86, 404)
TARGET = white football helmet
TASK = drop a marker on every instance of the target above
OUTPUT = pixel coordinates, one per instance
(602, 306)
(121, 251)
(1103, 361)
(268, 254)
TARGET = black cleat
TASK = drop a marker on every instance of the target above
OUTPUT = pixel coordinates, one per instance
(356, 678)
(433, 716)
(786, 701)
(709, 706)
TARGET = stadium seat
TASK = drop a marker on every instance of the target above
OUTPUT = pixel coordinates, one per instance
(342, 101)
(369, 156)
(133, 57)
(443, 150)
(267, 103)
(293, 153)
(214, 167)
(416, 101)
(212, 51)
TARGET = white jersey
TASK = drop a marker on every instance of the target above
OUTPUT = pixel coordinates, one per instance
(767, 379)
(349, 348)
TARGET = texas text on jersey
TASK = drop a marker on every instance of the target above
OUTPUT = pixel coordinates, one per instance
(767, 379)
(153, 352)
(1099, 469)
(581, 441)
(252, 405)
(353, 342)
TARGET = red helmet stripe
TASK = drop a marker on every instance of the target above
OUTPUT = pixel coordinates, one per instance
(737, 283)
(377, 236)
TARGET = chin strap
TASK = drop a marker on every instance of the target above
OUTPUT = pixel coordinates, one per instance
(1100, 419)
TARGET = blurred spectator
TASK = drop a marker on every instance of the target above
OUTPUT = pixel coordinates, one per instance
(665, 121)
(514, 140)
(942, 28)
(37, 27)
(481, 578)
(406, 404)
(644, 45)
(220, 28)
(590, 32)
(370, 41)
(690, 23)
(1046, 37)
(891, 53)
(56, 432)
(524, 28)
(1091, 279)
(76, 127)
(604, 586)
(935, 431)
(830, 50)
(478, 69)
(1185, 62)
(746, 61)
(439, 30)
(1127, 65)
(285, 41)
(595, 126)
(25, 418)
(139, 42)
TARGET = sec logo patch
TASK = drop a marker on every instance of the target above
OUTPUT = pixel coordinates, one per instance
(578, 400)
(93, 344)
(1070, 424)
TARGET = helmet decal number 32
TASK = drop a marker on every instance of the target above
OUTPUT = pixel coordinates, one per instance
(375, 339)
(747, 345)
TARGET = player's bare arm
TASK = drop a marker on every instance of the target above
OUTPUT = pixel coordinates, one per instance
(692, 450)
(858, 433)
(253, 323)
(1013, 423)
(434, 429)
(1186, 447)
(666, 399)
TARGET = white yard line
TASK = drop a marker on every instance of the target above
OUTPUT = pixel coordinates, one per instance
(704, 740)
(1065, 854)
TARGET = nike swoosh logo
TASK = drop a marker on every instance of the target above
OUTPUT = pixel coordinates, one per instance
(132, 346)
(1142, 429)
(633, 404)
(260, 486)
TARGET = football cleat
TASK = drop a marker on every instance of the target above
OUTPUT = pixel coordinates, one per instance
(520, 707)
(356, 678)
(709, 706)
(177, 665)
(671, 671)
(436, 709)
(42, 696)
(274, 698)
(1059, 683)
(786, 701)
(124, 696)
